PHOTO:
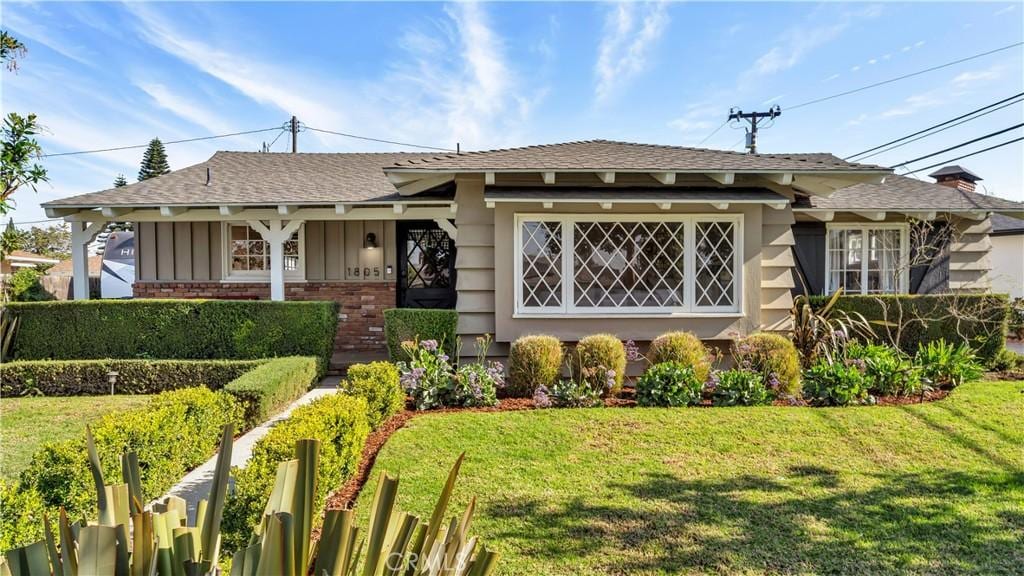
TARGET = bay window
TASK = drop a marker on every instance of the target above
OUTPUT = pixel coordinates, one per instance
(641, 264)
(247, 255)
(867, 258)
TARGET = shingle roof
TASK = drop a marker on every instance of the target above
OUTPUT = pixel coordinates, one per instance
(1006, 225)
(903, 193)
(23, 255)
(255, 178)
(600, 155)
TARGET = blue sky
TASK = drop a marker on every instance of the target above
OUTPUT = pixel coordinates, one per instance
(493, 75)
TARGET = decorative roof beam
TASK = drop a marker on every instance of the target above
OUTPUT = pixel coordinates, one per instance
(924, 216)
(60, 212)
(607, 177)
(720, 205)
(606, 205)
(666, 178)
(873, 216)
(341, 208)
(549, 205)
(399, 208)
(110, 212)
(549, 177)
(725, 178)
(777, 205)
(665, 205)
(781, 178)
(172, 211)
(489, 178)
(229, 210)
(822, 215)
(286, 209)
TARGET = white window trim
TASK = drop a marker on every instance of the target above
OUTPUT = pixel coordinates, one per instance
(568, 309)
(904, 280)
(258, 276)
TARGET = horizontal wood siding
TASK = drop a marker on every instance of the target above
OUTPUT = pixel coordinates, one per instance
(970, 265)
(777, 263)
(474, 263)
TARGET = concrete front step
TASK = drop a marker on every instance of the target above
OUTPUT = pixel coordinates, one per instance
(340, 361)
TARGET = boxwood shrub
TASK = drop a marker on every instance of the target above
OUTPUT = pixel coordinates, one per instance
(175, 432)
(175, 329)
(981, 322)
(682, 347)
(338, 421)
(419, 324)
(272, 386)
(378, 383)
(89, 377)
(772, 356)
(595, 357)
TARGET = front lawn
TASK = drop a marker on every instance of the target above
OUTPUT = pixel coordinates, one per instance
(933, 488)
(26, 423)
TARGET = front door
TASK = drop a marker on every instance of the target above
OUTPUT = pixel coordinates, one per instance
(426, 266)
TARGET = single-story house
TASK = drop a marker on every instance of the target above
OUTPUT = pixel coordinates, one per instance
(18, 259)
(1008, 255)
(566, 239)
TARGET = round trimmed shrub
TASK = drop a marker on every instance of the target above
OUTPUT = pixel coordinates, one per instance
(771, 355)
(533, 361)
(669, 384)
(597, 355)
(378, 383)
(682, 347)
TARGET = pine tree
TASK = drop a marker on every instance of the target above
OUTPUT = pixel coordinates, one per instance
(120, 181)
(154, 161)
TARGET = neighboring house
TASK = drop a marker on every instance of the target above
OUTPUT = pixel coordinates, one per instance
(18, 259)
(1008, 255)
(566, 239)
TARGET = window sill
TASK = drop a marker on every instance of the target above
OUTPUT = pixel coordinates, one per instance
(626, 315)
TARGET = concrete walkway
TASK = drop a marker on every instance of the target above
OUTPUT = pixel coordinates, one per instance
(196, 484)
(1016, 345)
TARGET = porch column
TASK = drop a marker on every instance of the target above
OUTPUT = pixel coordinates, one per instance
(276, 233)
(82, 233)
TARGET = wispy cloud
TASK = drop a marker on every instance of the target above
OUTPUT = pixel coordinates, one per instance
(630, 31)
(1005, 10)
(965, 79)
(914, 104)
(48, 36)
(184, 107)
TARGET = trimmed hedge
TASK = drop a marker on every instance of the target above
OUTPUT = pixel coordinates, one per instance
(597, 354)
(533, 361)
(175, 432)
(272, 386)
(175, 329)
(927, 318)
(338, 421)
(378, 383)
(89, 377)
(419, 324)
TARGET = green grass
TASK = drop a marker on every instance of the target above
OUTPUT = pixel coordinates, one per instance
(28, 423)
(934, 488)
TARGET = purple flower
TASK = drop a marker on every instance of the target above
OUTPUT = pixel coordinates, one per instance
(773, 381)
(632, 351)
(541, 399)
(609, 379)
(429, 345)
(840, 335)
(410, 380)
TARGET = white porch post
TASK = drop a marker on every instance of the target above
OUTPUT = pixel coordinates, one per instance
(276, 233)
(82, 233)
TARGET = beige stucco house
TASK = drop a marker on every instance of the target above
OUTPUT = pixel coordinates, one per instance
(566, 239)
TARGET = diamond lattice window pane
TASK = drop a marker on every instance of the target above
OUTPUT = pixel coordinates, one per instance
(541, 264)
(629, 264)
(714, 255)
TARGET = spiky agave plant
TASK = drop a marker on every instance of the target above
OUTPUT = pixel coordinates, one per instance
(127, 539)
(825, 331)
(160, 542)
(396, 542)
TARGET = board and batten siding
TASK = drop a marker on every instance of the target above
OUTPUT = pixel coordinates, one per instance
(474, 265)
(777, 264)
(192, 251)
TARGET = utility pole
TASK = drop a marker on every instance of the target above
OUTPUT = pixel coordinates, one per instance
(754, 118)
(295, 134)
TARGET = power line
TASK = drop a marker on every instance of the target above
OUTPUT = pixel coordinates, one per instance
(379, 140)
(37, 221)
(901, 144)
(903, 77)
(971, 113)
(708, 137)
(961, 145)
(943, 163)
(168, 142)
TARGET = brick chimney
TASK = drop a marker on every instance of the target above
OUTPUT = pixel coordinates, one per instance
(956, 177)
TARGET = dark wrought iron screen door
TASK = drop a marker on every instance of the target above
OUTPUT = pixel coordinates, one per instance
(426, 266)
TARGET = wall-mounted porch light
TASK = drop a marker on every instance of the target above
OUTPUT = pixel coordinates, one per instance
(370, 241)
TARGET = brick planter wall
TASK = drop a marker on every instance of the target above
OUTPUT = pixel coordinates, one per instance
(360, 319)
